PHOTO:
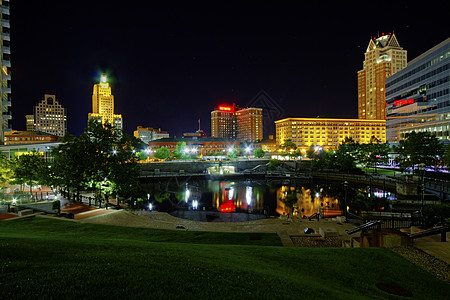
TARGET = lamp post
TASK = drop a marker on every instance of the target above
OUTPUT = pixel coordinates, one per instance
(345, 200)
(422, 168)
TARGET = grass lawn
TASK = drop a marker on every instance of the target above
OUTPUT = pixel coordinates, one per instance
(380, 171)
(44, 258)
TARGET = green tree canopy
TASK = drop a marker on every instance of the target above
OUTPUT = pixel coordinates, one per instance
(180, 151)
(258, 153)
(6, 171)
(162, 153)
(27, 168)
(419, 148)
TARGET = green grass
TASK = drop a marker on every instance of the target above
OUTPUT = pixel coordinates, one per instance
(379, 171)
(42, 258)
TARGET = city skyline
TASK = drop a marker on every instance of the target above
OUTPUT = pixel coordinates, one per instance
(178, 62)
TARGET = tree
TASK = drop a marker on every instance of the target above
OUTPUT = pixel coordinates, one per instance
(373, 154)
(446, 158)
(258, 153)
(180, 151)
(101, 159)
(418, 148)
(6, 172)
(27, 168)
(233, 153)
(288, 146)
(162, 153)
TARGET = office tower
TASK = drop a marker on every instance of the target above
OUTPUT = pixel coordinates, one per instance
(50, 116)
(5, 64)
(326, 132)
(383, 58)
(30, 122)
(249, 124)
(147, 134)
(223, 122)
(418, 97)
(103, 104)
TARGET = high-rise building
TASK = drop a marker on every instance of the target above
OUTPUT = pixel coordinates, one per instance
(147, 134)
(223, 122)
(103, 104)
(232, 122)
(30, 122)
(383, 58)
(50, 116)
(5, 65)
(418, 97)
(328, 133)
(249, 124)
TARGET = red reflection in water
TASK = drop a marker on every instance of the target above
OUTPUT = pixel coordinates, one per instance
(227, 207)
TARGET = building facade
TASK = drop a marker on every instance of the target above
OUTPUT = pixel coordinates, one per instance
(224, 123)
(103, 104)
(28, 137)
(29, 122)
(147, 134)
(418, 97)
(5, 65)
(328, 133)
(249, 124)
(202, 146)
(50, 116)
(383, 58)
(232, 122)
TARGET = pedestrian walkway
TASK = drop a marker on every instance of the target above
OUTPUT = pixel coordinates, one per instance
(7, 216)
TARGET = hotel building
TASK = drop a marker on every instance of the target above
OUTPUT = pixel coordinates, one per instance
(249, 124)
(418, 97)
(103, 105)
(232, 122)
(383, 58)
(224, 123)
(5, 65)
(147, 134)
(328, 133)
(50, 116)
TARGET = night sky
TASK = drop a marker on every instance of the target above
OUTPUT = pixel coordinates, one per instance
(171, 65)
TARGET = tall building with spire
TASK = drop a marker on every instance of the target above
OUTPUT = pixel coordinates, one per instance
(384, 57)
(103, 104)
(5, 65)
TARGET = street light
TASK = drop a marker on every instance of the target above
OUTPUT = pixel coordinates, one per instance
(422, 168)
(345, 200)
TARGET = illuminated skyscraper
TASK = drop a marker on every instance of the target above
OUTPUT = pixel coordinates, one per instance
(383, 58)
(223, 122)
(232, 122)
(249, 124)
(50, 116)
(5, 65)
(103, 104)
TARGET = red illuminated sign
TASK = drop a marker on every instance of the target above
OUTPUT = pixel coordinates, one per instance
(403, 102)
(227, 207)
(226, 108)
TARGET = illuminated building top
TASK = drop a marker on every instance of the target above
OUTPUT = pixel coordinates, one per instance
(383, 58)
(103, 104)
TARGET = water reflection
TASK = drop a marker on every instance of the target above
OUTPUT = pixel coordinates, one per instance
(293, 199)
(306, 204)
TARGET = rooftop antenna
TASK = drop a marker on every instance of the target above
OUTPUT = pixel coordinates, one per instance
(198, 124)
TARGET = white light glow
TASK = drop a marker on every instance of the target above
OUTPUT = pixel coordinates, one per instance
(186, 197)
(248, 194)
